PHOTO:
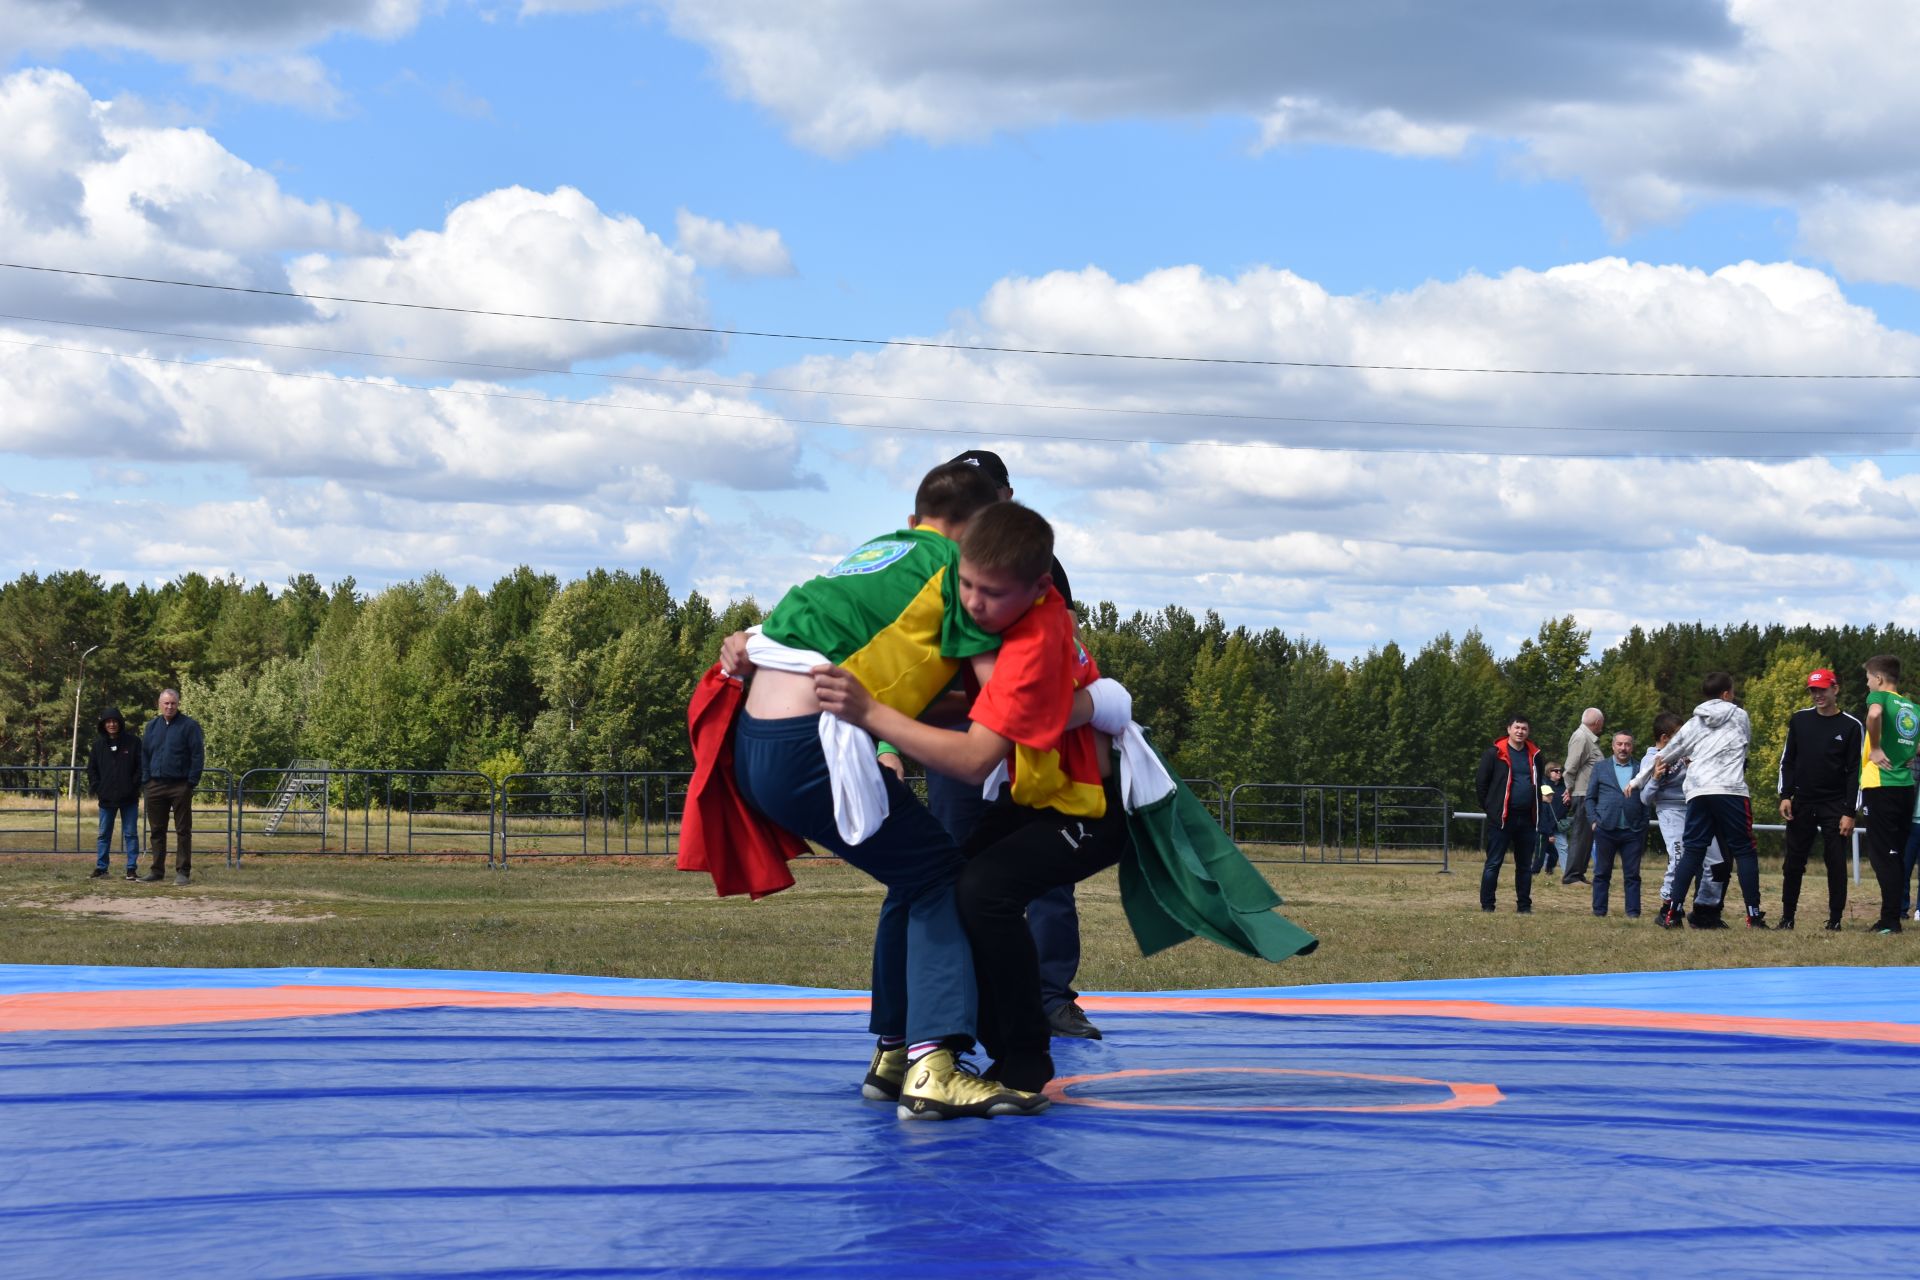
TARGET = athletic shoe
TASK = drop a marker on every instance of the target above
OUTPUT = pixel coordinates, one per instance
(1523, 911)
(1070, 1020)
(1669, 917)
(183, 879)
(1707, 918)
(1885, 926)
(938, 1087)
(99, 873)
(1756, 920)
(1786, 922)
(132, 874)
(885, 1073)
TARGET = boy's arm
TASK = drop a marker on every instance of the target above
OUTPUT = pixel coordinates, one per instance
(1676, 749)
(1875, 714)
(968, 756)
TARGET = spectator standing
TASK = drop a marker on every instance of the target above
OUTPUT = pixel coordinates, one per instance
(1553, 822)
(1619, 827)
(1819, 787)
(113, 773)
(1508, 785)
(1886, 781)
(1583, 753)
(1665, 794)
(173, 752)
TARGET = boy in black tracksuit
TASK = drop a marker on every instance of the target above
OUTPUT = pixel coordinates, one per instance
(1508, 785)
(1819, 788)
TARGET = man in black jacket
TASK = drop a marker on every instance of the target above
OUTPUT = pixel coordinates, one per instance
(113, 773)
(172, 755)
(1819, 788)
(1508, 784)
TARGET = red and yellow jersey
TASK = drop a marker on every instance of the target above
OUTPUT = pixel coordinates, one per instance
(1029, 700)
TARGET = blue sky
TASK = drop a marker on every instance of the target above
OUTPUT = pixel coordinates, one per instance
(1093, 179)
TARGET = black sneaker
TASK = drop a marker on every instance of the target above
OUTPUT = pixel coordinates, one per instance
(1707, 918)
(1833, 926)
(99, 873)
(1756, 919)
(1487, 909)
(1070, 1020)
(1884, 927)
(1786, 922)
(1524, 911)
(1669, 917)
(153, 877)
(132, 874)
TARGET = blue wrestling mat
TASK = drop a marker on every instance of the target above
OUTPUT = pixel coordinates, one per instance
(299, 1123)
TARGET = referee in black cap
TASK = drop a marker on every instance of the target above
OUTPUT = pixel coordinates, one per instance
(1052, 917)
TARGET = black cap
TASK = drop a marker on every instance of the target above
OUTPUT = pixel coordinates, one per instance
(989, 464)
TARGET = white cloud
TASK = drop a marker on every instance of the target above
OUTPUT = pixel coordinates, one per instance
(293, 80)
(738, 247)
(1655, 108)
(848, 74)
(81, 187)
(193, 30)
(538, 253)
(470, 440)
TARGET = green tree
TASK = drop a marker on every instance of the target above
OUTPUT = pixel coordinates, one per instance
(1771, 701)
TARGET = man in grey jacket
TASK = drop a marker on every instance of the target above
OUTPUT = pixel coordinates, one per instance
(1583, 752)
(1714, 742)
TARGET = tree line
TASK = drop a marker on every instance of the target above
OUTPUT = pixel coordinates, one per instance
(595, 674)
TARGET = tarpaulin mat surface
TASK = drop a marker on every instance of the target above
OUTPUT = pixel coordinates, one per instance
(390, 1123)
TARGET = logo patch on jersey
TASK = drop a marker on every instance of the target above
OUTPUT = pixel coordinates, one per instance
(1906, 723)
(871, 558)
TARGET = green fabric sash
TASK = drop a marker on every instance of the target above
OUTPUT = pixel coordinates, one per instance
(1183, 878)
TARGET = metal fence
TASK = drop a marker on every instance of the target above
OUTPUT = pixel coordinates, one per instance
(556, 815)
(51, 809)
(1339, 823)
(313, 807)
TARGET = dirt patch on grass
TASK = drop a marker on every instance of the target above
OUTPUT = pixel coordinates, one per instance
(176, 910)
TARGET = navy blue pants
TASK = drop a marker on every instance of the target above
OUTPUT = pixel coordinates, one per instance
(923, 982)
(1052, 918)
(1517, 835)
(1627, 846)
(1728, 819)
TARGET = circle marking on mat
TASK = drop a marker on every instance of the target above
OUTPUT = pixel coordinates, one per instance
(1462, 1094)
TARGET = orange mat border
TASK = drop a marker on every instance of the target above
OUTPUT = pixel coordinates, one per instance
(180, 1006)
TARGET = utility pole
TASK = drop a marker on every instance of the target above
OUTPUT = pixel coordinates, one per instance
(73, 756)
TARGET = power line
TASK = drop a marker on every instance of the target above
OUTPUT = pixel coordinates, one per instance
(925, 344)
(707, 384)
(473, 393)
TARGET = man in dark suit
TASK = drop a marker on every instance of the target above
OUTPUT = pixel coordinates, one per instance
(1619, 826)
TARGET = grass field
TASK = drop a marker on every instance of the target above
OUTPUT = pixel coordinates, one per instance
(641, 918)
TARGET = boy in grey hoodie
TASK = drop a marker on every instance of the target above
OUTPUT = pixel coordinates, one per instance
(1714, 742)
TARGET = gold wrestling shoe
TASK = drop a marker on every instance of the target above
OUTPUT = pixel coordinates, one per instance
(886, 1073)
(939, 1087)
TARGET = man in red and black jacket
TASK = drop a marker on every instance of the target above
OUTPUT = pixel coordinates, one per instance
(1508, 784)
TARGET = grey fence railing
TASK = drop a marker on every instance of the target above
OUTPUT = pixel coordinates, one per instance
(557, 815)
(1339, 823)
(51, 809)
(312, 807)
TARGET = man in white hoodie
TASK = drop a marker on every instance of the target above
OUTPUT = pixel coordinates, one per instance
(1715, 743)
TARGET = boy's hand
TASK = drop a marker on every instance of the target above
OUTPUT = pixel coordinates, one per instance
(892, 763)
(733, 656)
(841, 694)
(1786, 810)
(1879, 757)
(1846, 825)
